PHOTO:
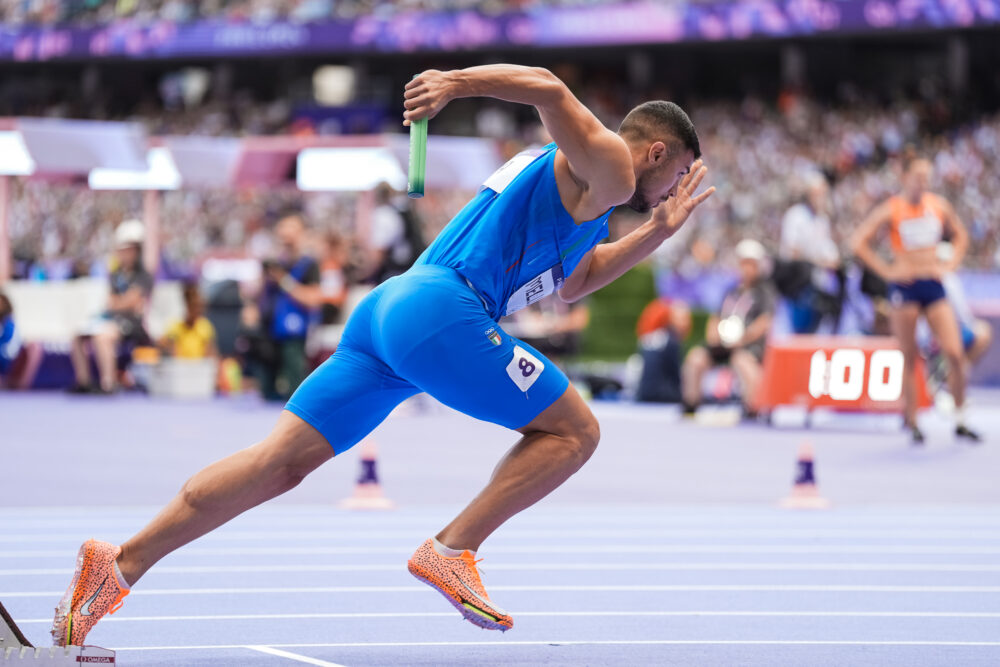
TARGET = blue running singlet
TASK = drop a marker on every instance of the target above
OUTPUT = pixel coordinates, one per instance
(515, 242)
(434, 328)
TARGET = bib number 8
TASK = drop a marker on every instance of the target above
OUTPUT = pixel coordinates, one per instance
(524, 368)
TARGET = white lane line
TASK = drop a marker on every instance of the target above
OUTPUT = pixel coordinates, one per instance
(643, 515)
(406, 550)
(30, 528)
(663, 516)
(551, 588)
(583, 642)
(294, 656)
(550, 566)
(543, 614)
(777, 527)
(665, 532)
(280, 508)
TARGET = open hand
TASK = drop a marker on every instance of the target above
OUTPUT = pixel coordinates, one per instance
(671, 214)
(426, 95)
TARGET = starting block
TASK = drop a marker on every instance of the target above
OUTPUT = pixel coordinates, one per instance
(15, 649)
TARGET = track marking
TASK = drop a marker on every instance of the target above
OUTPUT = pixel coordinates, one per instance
(584, 642)
(627, 518)
(542, 614)
(726, 515)
(549, 566)
(551, 588)
(294, 656)
(405, 550)
(541, 533)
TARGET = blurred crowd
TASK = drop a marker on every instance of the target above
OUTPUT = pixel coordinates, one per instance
(761, 158)
(762, 153)
(90, 12)
(258, 301)
(64, 232)
(794, 176)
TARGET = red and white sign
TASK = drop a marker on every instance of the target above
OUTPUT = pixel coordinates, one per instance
(848, 373)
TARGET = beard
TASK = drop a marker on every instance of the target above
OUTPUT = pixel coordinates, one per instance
(640, 201)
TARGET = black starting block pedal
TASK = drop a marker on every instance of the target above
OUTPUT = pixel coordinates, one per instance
(15, 649)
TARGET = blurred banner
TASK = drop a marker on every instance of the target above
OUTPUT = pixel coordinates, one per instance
(631, 23)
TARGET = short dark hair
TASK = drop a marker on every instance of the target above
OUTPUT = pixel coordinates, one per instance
(650, 121)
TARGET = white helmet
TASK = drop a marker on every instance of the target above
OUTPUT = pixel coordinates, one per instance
(130, 232)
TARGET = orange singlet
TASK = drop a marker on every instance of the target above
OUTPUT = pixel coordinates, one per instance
(915, 227)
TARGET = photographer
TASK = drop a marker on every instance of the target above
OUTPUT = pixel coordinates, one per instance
(736, 335)
(290, 295)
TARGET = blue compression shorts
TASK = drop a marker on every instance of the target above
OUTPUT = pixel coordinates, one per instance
(426, 330)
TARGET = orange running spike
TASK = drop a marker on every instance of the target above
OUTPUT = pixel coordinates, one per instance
(457, 578)
(92, 593)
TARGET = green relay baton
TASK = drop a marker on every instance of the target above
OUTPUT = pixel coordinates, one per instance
(418, 158)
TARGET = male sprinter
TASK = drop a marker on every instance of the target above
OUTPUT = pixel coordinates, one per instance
(531, 230)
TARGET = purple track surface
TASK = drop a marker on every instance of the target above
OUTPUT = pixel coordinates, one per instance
(667, 548)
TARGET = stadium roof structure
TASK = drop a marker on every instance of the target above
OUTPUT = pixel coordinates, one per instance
(54, 148)
(121, 156)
